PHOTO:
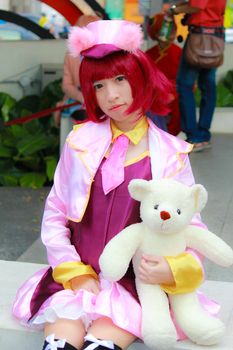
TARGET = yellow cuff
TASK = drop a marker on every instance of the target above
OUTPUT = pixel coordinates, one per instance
(64, 272)
(187, 272)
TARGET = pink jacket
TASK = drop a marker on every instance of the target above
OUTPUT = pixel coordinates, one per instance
(82, 154)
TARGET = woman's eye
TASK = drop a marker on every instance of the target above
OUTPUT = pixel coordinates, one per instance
(156, 206)
(178, 211)
(120, 77)
(98, 86)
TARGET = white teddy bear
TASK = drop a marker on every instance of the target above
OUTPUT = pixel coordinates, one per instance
(166, 210)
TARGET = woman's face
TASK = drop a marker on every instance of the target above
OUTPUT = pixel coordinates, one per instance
(114, 97)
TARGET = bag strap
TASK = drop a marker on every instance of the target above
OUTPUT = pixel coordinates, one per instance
(217, 31)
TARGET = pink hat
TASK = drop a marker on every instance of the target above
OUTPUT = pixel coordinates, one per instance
(101, 38)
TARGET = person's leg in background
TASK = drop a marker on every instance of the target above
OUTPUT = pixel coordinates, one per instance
(186, 78)
(207, 86)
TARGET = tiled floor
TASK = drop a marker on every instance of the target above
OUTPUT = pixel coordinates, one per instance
(21, 209)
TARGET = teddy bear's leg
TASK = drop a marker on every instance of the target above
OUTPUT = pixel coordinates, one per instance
(196, 323)
(158, 330)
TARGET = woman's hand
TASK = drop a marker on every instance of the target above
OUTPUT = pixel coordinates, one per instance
(155, 270)
(86, 282)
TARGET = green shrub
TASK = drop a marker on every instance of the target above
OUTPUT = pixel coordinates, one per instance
(224, 91)
(29, 152)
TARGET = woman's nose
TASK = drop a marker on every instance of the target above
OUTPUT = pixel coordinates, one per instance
(112, 92)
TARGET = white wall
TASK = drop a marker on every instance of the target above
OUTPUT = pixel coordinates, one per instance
(4, 4)
(18, 56)
(22, 60)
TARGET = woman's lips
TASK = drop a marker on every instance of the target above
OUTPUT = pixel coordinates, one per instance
(116, 107)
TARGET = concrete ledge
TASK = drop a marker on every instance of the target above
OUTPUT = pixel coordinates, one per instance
(15, 336)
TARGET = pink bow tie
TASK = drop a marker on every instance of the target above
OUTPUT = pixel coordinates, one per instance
(113, 167)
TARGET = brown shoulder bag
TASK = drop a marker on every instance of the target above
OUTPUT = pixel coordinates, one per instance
(204, 50)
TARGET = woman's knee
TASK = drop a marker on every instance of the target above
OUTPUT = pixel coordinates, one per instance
(103, 328)
(73, 331)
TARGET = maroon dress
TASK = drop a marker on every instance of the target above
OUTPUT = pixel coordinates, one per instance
(105, 216)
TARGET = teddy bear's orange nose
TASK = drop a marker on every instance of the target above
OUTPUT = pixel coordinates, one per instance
(165, 215)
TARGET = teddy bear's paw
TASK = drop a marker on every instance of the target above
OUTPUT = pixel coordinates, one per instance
(160, 342)
(210, 334)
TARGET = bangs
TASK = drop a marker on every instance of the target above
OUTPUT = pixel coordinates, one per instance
(108, 66)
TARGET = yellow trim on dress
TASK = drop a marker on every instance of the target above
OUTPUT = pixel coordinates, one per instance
(85, 205)
(178, 155)
(80, 155)
(66, 271)
(137, 159)
(187, 272)
(75, 129)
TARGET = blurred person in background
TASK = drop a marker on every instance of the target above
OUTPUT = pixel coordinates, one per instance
(166, 55)
(201, 15)
(71, 89)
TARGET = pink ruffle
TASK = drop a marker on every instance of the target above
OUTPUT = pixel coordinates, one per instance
(113, 301)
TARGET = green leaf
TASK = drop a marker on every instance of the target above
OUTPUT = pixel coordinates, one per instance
(8, 180)
(25, 106)
(29, 162)
(51, 94)
(5, 152)
(224, 96)
(32, 180)
(19, 132)
(6, 165)
(51, 163)
(34, 127)
(9, 174)
(6, 104)
(197, 96)
(32, 144)
(227, 81)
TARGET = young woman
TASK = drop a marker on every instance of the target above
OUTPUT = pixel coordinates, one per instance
(89, 202)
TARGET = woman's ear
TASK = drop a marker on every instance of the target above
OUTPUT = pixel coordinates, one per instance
(138, 188)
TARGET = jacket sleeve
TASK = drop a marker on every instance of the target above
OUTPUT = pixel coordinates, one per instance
(55, 234)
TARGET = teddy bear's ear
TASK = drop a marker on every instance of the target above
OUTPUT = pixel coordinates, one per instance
(200, 194)
(138, 188)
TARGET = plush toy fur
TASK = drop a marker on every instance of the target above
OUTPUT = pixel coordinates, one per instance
(166, 210)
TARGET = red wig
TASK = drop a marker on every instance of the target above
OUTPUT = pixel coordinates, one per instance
(151, 90)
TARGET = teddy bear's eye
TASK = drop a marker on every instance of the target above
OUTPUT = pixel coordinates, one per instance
(156, 206)
(178, 211)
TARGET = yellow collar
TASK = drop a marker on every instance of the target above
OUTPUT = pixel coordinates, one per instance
(135, 135)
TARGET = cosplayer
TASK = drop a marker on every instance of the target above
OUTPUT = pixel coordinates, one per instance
(166, 55)
(89, 202)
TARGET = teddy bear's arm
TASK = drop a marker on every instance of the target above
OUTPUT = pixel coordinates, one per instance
(210, 245)
(116, 256)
